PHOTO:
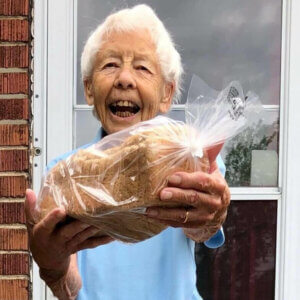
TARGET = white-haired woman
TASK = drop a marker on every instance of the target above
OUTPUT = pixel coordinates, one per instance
(131, 72)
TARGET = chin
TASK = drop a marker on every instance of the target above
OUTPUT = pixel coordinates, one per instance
(116, 123)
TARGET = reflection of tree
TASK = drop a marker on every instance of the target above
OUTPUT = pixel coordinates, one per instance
(238, 158)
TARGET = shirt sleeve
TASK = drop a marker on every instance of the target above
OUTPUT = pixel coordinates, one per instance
(218, 239)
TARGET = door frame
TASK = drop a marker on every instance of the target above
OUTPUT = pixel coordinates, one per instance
(54, 78)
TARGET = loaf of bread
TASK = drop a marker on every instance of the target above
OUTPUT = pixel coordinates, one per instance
(112, 188)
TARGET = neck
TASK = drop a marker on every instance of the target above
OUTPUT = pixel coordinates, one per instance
(103, 132)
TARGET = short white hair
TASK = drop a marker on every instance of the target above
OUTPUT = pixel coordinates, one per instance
(138, 17)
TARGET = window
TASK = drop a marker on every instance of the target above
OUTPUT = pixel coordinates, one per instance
(233, 40)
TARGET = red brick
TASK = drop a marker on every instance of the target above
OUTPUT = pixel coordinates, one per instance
(14, 56)
(13, 212)
(14, 7)
(14, 83)
(14, 289)
(14, 160)
(14, 264)
(13, 239)
(13, 134)
(14, 109)
(14, 30)
(13, 186)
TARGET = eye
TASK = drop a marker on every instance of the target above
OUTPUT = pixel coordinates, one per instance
(110, 65)
(143, 68)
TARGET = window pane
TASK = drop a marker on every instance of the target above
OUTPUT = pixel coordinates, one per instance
(251, 158)
(178, 115)
(86, 127)
(218, 40)
(234, 39)
(244, 267)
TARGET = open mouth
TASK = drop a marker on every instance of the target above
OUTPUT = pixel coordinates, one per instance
(124, 109)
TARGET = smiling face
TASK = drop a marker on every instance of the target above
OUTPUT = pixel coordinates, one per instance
(127, 85)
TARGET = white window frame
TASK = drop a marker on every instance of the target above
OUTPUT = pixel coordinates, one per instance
(53, 107)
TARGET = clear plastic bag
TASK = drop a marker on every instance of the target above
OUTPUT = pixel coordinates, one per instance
(111, 183)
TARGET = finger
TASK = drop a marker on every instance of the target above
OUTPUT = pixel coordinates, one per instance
(68, 231)
(226, 197)
(81, 237)
(180, 215)
(182, 225)
(208, 203)
(48, 224)
(200, 181)
(94, 242)
(30, 201)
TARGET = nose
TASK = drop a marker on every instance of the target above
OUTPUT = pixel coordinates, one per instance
(125, 80)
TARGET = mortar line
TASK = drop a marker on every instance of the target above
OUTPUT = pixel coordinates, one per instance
(13, 70)
(18, 174)
(14, 96)
(13, 226)
(14, 148)
(15, 122)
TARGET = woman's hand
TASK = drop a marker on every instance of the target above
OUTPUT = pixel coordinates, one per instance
(204, 197)
(52, 244)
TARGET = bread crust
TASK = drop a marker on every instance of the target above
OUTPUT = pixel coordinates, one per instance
(111, 189)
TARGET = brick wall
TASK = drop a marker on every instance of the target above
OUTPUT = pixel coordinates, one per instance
(15, 22)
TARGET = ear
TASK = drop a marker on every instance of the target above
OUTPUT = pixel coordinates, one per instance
(213, 152)
(168, 93)
(88, 91)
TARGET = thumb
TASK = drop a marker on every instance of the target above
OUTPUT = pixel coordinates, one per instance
(30, 203)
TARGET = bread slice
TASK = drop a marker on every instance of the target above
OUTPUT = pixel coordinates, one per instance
(111, 189)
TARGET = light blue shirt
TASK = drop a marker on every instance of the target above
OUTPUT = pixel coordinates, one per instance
(160, 268)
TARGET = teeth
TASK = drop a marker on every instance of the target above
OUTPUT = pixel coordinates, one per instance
(123, 103)
(124, 108)
(124, 114)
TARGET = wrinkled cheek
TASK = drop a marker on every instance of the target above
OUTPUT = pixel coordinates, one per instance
(149, 112)
(100, 114)
(101, 107)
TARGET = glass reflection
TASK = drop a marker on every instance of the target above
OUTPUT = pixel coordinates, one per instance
(242, 159)
(85, 129)
(244, 268)
(218, 40)
(244, 165)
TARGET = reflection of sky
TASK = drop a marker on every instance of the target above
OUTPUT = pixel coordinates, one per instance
(218, 40)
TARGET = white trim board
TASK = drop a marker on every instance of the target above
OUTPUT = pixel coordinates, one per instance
(289, 264)
(39, 101)
(60, 77)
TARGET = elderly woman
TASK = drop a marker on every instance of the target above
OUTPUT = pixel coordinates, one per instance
(131, 72)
